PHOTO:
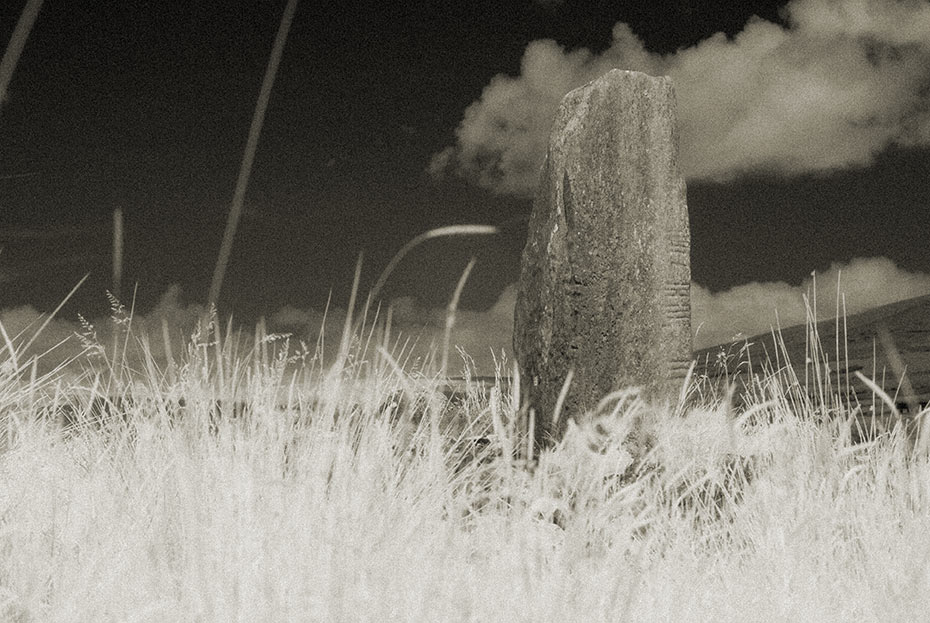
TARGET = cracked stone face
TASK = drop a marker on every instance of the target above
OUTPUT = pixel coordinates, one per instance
(605, 273)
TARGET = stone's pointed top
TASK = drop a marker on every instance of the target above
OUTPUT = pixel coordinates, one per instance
(623, 108)
(625, 76)
(615, 74)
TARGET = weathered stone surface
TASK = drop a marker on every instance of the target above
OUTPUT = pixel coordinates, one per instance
(605, 274)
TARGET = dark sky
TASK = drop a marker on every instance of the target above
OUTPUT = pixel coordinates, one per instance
(146, 106)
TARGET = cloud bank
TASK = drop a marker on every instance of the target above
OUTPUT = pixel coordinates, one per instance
(750, 309)
(485, 336)
(742, 311)
(839, 83)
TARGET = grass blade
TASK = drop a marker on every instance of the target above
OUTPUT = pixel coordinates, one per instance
(248, 158)
(17, 42)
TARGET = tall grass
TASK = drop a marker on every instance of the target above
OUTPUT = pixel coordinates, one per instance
(249, 485)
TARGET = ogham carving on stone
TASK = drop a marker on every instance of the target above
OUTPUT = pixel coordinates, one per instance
(605, 273)
(677, 300)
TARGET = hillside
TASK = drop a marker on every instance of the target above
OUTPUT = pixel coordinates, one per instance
(860, 343)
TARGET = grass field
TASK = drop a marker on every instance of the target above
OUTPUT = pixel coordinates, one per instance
(241, 482)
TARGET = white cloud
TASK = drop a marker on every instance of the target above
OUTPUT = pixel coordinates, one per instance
(290, 316)
(841, 82)
(750, 309)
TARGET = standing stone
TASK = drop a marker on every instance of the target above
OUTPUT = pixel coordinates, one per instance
(605, 274)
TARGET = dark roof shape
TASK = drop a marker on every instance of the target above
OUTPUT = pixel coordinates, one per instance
(907, 323)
